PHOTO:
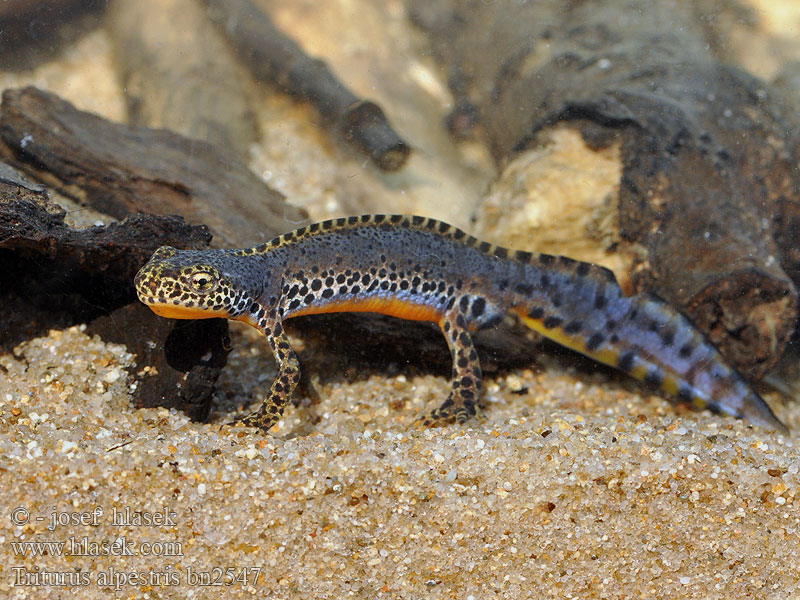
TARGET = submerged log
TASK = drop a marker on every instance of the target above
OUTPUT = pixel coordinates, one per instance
(706, 150)
(275, 58)
(54, 276)
(120, 170)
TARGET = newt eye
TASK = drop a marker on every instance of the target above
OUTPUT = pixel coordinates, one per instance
(203, 281)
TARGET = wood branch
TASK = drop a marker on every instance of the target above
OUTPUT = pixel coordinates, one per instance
(53, 276)
(275, 58)
(706, 150)
(120, 170)
(184, 79)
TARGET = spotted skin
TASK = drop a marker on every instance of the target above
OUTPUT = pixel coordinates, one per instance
(422, 269)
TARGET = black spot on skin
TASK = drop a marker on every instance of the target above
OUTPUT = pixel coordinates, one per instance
(685, 393)
(395, 219)
(556, 300)
(573, 327)
(478, 306)
(600, 301)
(463, 304)
(537, 312)
(340, 278)
(668, 337)
(551, 322)
(443, 227)
(654, 377)
(300, 231)
(314, 227)
(582, 270)
(366, 218)
(417, 220)
(567, 261)
(352, 220)
(327, 293)
(254, 308)
(485, 247)
(378, 219)
(430, 224)
(524, 289)
(501, 252)
(341, 222)
(458, 234)
(294, 304)
(523, 256)
(626, 360)
(309, 299)
(316, 285)
(686, 350)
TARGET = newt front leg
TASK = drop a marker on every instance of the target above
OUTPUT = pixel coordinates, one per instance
(283, 386)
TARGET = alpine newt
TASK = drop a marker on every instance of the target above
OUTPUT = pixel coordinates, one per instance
(422, 269)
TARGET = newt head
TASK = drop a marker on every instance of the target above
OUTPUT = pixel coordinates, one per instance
(196, 284)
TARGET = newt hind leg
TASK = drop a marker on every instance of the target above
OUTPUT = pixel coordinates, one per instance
(282, 388)
(461, 403)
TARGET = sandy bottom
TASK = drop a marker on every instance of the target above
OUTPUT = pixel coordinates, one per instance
(570, 485)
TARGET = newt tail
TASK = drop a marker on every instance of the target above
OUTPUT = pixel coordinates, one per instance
(422, 269)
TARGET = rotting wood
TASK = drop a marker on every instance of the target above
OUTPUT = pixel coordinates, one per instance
(275, 58)
(54, 276)
(707, 150)
(184, 79)
(119, 170)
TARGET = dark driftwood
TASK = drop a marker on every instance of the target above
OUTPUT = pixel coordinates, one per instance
(121, 170)
(53, 276)
(33, 31)
(363, 344)
(275, 58)
(185, 79)
(707, 149)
